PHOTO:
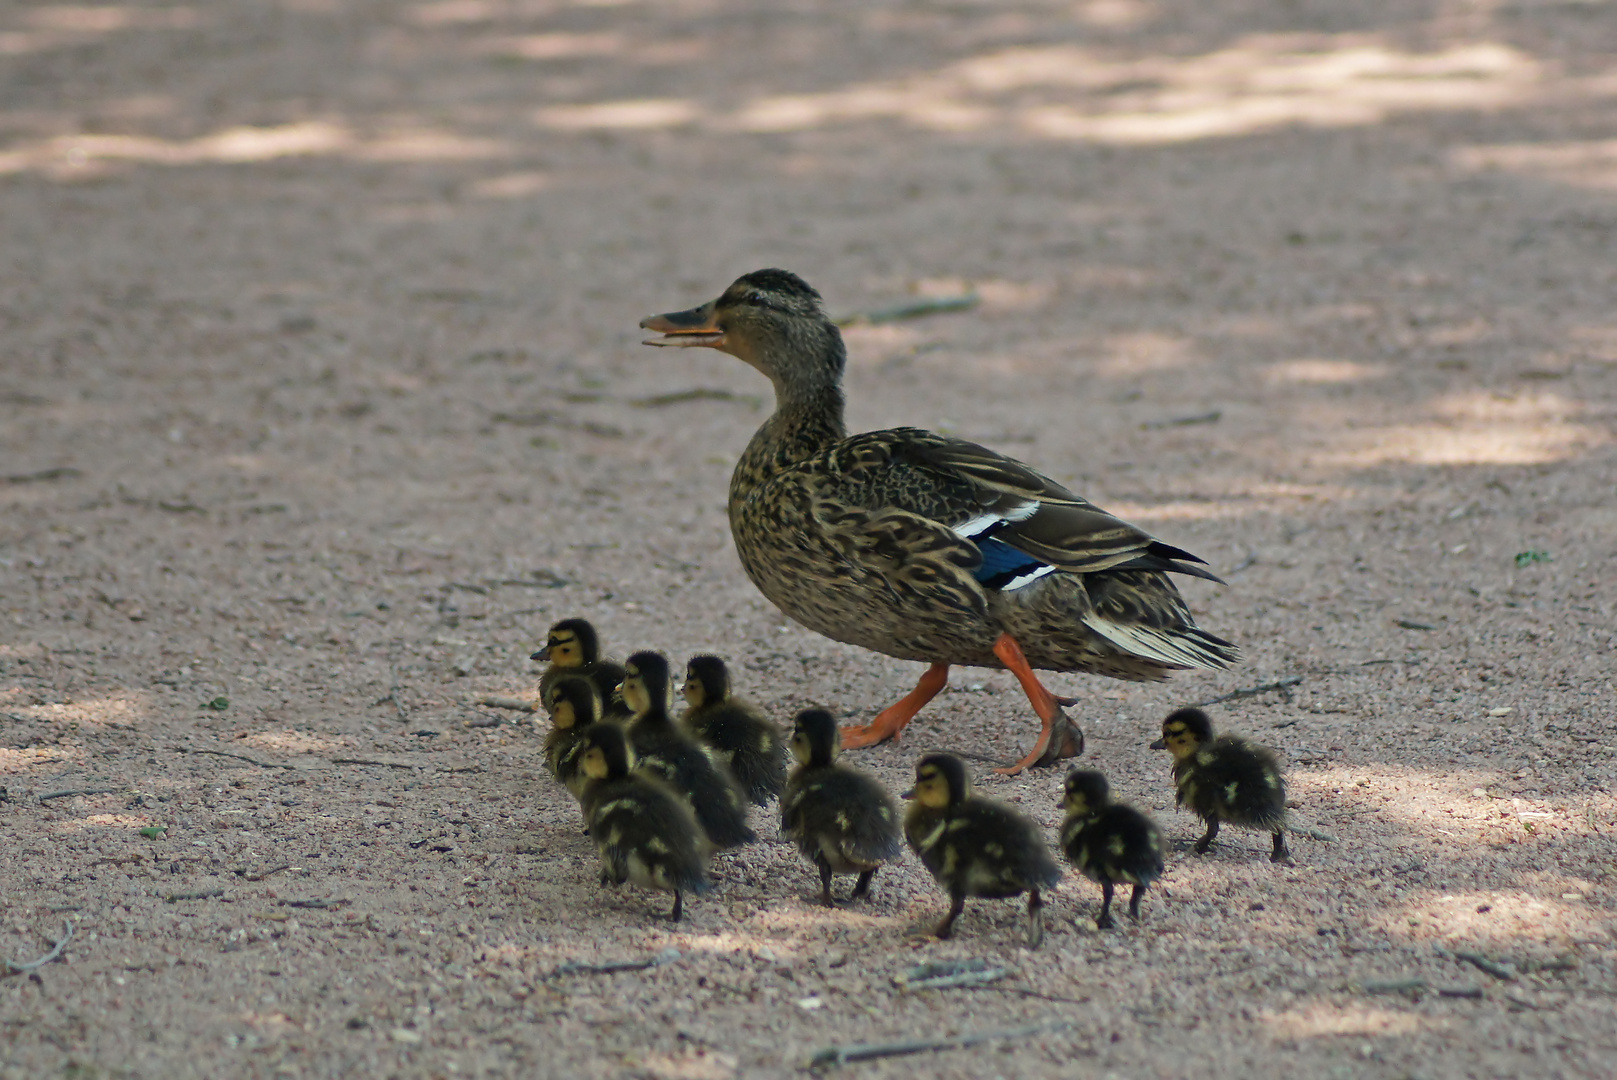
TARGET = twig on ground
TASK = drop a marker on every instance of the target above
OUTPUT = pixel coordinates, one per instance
(1281, 685)
(368, 761)
(500, 701)
(1481, 963)
(1211, 417)
(840, 1055)
(61, 472)
(14, 968)
(700, 393)
(49, 795)
(667, 956)
(316, 905)
(1393, 986)
(241, 872)
(201, 894)
(947, 974)
(238, 757)
(1460, 992)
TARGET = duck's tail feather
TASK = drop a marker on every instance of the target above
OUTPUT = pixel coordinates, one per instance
(1180, 647)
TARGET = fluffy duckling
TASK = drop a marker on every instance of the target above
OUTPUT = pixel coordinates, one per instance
(643, 831)
(684, 763)
(1224, 779)
(975, 846)
(1109, 842)
(572, 648)
(574, 706)
(734, 730)
(843, 820)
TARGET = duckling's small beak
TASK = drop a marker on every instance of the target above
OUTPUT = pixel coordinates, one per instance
(1160, 744)
(686, 328)
(910, 794)
(542, 654)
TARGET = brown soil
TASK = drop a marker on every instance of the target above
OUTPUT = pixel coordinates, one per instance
(322, 396)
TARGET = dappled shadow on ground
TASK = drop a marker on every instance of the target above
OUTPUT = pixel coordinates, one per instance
(321, 398)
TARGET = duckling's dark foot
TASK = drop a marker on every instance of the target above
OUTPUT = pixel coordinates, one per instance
(862, 886)
(679, 907)
(1281, 852)
(1134, 902)
(1035, 919)
(1207, 838)
(825, 887)
(946, 927)
(891, 720)
(1104, 921)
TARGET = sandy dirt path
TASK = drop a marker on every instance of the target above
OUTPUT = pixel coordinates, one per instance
(321, 397)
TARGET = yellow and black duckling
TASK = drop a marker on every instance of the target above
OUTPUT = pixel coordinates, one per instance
(736, 732)
(572, 648)
(842, 820)
(926, 547)
(643, 831)
(1225, 779)
(975, 846)
(1108, 842)
(685, 764)
(574, 706)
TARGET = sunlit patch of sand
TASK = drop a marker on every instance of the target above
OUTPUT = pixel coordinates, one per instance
(1314, 371)
(1492, 444)
(1324, 1018)
(114, 711)
(287, 741)
(694, 1063)
(116, 821)
(1547, 914)
(642, 115)
(1147, 350)
(22, 762)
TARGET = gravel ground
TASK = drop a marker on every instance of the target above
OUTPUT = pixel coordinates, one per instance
(321, 398)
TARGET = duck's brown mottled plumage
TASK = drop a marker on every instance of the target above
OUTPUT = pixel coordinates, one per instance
(880, 539)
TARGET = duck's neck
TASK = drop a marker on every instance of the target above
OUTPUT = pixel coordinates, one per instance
(807, 419)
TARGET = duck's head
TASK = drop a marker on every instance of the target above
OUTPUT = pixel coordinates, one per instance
(1086, 792)
(645, 682)
(771, 319)
(573, 702)
(940, 782)
(815, 740)
(570, 643)
(606, 754)
(707, 681)
(1183, 732)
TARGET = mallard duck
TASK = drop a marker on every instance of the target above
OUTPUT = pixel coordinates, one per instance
(842, 820)
(1108, 842)
(643, 832)
(1225, 779)
(572, 648)
(574, 707)
(975, 846)
(930, 548)
(736, 732)
(685, 764)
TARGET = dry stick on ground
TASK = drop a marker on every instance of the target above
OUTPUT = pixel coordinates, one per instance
(1281, 685)
(14, 968)
(840, 1055)
(667, 956)
(241, 872)
(367, 761)
(79, 791)
(238, 757)
(203, 894)
(500, 701)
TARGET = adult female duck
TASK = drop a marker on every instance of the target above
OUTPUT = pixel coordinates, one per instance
(930, 548)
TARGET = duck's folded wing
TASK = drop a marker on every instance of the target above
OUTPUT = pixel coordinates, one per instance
(995, 501)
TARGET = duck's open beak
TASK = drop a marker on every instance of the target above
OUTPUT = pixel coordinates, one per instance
(1160, 744)
(686, 328)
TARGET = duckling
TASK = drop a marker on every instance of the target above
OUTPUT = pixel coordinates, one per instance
(686, 765)
(1109, 842)
(1225, 779)
(734, 730)
(843, 820)
(572, 648)
(643, 831)
(574, 707)
(975, 846)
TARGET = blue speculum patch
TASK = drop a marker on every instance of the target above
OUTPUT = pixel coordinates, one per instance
(1003, 564)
